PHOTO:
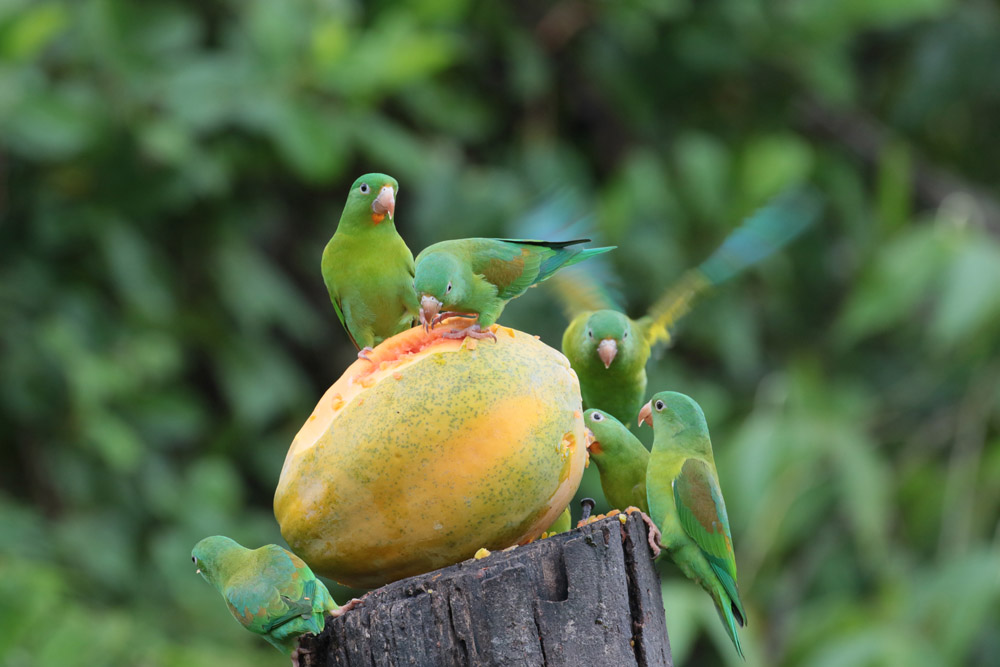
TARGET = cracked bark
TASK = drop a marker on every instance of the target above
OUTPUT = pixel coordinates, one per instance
(586, 597)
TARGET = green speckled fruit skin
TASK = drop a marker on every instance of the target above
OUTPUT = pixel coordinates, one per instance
(418, 464)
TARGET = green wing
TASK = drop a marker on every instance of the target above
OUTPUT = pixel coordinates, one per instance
(335, 297)
(702, 514)
(511, 266)
(256, 604)
(527, 262)
(303, 606)
(672, 306)
(276, 590)
(580, 291)
(758, 237)
(343, 322)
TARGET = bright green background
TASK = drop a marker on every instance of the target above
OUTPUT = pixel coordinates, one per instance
(172, 170)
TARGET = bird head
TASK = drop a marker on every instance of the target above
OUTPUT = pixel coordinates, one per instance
(610, 336)
(439, 284)
(371, 199)
(672, 412)
(209, 554)
(601, 426)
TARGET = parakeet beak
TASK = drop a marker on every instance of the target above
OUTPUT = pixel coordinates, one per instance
(429, 309)
(607, 349)
(646, 414)
(385, 203)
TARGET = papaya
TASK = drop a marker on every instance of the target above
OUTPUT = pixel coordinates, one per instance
(431, 450)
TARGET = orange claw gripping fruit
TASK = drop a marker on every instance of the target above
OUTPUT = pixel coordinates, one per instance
(434, 449)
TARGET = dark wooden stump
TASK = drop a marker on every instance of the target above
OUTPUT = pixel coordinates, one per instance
(586, 597)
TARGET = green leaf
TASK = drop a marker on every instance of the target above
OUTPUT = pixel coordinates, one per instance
(32, 30)
(899, 280)
(704, 167)
(54, 125)
(772, 163)
(969, 301)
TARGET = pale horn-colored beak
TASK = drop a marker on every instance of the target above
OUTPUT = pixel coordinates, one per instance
(646, 414)
(429, 309)
(607, 349)
(385, 203)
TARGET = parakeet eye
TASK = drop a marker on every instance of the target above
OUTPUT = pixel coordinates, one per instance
(448, 288)
(590, 334)
(194, 559)
(624, 335)
(597, 417)
(659, 405)
(364, 188)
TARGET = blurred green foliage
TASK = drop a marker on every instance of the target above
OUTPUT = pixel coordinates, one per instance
(172, 170)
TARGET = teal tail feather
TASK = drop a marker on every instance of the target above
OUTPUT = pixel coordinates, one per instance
(568, 257)
(730, 621)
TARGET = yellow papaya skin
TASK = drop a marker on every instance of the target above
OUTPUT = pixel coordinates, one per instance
(436, 448)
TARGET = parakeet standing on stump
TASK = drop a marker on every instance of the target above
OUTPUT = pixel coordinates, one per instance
(367, 268)
(609, 350)
(621, 460)
(685, 501)
(476, 278)
(270, 590)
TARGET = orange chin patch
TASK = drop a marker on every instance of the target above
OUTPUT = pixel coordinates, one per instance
(595, 447)
(378, 217)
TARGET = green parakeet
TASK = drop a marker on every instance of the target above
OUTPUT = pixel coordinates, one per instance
(367, 268)
(609, 350)
(270, 590)
(685, 501)
(477, 277)
(621, 460)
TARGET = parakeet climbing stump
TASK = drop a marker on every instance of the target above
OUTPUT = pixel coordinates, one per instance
(685, 501)
(476, 277)
(269, 590)
(621, 460)
(367, 268)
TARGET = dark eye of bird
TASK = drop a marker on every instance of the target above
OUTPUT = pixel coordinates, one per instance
(624, 335)
(659, 405)
(597, 417)
(448, 289)
(364, 188)
(590, 334)
(194, 559)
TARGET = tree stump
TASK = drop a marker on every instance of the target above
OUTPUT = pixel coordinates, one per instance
(586, 597)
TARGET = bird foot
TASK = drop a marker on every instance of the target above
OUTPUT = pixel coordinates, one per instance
(344, 608)
(473, 331)
(654, 536)
(363, 354)
(296, 653)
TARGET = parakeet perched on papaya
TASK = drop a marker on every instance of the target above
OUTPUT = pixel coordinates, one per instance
(621, 460)
(269, 590)
(367, 268)
(685, 501)
(608, 350)
(476, 278)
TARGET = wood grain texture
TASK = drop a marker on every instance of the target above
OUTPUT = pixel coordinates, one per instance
(590, 596)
